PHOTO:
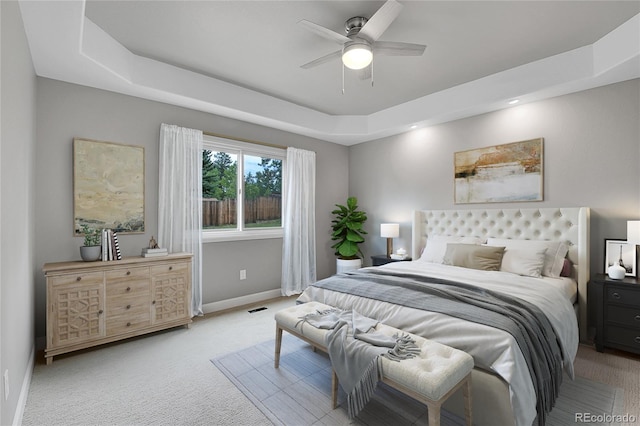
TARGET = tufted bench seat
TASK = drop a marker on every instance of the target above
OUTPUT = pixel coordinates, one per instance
(430, 378)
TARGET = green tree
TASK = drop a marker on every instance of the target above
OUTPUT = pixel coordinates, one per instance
(219, 175)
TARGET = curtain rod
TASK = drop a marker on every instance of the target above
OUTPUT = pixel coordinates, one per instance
(272, 145)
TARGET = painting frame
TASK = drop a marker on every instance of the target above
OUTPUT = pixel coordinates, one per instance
(614, 249)
(511, 172)
(108, 186)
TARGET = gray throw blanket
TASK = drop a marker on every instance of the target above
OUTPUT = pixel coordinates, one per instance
(354, 347)
(528, 325)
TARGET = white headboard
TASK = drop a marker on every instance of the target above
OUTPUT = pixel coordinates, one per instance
(570, 225)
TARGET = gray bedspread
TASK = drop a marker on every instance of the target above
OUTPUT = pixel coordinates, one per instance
(525, 322)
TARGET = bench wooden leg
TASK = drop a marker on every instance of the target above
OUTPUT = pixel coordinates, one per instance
(434, 414)
(276, 361)
(466, 391)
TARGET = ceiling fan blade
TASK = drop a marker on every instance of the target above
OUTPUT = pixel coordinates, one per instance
(324, 32)
(322, 59)
(380, 21)
(392, 48)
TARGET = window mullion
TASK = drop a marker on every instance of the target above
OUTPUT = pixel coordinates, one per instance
(240, 194)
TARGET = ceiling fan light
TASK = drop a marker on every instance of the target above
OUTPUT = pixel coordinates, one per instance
(357, 56)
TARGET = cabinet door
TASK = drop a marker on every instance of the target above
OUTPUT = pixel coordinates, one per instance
(77, 307)
(171, 292)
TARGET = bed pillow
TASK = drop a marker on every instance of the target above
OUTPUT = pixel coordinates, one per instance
(523, 262)
(566, 268)
(472, 256)
(437, 246)
(553, 258)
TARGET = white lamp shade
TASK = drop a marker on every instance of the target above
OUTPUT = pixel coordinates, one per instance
(389, 230)
(633, 232)
(357, 56)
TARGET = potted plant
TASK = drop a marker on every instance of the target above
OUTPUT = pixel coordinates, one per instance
(91, 249)
(348, 234)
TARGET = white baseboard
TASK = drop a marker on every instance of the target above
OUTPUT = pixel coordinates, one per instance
(24, 391)
(240, 301)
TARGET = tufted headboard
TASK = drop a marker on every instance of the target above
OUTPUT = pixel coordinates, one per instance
(570, 225)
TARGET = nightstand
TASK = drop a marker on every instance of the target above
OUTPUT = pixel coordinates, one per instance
(616, 307)
(382, 259)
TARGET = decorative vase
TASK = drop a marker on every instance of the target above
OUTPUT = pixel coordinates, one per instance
(90, 253)
(616, 272)
(344, 265)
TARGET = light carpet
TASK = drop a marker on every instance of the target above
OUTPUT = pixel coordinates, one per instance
(299, 392)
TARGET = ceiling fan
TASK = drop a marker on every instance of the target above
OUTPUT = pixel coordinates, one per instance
(360, 43)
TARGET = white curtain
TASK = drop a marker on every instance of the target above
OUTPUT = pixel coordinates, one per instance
(180, 200)
(299, 221)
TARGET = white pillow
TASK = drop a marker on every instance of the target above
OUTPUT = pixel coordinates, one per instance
(437, 246)
(523, 262)
(553, 258)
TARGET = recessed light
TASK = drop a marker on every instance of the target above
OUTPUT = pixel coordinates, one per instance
(514, 101)
(415, 126)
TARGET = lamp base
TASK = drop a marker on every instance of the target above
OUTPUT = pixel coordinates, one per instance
(389, 247)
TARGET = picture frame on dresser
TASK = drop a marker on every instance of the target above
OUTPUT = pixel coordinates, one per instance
(615, 250)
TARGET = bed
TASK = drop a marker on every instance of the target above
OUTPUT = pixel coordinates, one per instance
(503, 389)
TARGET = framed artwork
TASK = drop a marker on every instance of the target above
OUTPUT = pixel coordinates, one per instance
(500, 173)
(108, 186)
(615, 250)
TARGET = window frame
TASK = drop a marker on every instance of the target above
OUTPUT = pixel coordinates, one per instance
(240, 148)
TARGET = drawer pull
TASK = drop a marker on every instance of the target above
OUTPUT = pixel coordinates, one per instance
(128, 288)
(171, 268)
(78, 279)
(128, 306)
(637, 339)
(128, 272)
(128, 324)
(153, 302)
(616, 296)
(100, 312)
(637, 318)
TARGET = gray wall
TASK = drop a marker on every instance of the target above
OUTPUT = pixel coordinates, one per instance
(17, 154)
(66, 111)
(591, 158)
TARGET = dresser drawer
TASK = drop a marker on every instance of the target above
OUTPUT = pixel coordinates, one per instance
(139, 287)
(125, 305)
(624, 336)
(130, 322)
(173, 268)
(86, 278)
(629, 316)
(623, 295)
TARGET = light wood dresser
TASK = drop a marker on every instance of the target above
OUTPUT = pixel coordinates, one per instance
(91, 303)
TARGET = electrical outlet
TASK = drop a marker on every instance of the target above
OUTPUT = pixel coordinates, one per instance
(6, 384)
(243, 274)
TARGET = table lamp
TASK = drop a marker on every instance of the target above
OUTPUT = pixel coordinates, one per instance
(389, 231)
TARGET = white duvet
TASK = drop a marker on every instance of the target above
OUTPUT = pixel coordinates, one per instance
(492, 349)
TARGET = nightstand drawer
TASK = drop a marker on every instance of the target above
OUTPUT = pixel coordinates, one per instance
(623, 315)
(623, 295)
(623, 336)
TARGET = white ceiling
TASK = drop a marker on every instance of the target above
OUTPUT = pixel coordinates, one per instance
(241, 59)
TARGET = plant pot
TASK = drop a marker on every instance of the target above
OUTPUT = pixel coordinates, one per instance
(90, 253)
(344, 265)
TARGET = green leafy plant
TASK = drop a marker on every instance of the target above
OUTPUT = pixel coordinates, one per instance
(91, 236)
(347, 229)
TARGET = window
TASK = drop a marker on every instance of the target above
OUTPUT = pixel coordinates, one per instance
(241, 190)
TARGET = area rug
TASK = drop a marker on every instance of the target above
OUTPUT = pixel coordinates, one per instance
(299, 392)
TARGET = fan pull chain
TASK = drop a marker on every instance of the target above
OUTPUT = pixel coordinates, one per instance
(343, 79)
(372, 72)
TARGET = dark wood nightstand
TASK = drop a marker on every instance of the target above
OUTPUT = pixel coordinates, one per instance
(615, 305)
(382, 259)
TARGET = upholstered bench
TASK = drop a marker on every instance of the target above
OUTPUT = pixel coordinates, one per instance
(430, 377)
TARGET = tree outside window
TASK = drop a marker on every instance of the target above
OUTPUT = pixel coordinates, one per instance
(256, 204)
